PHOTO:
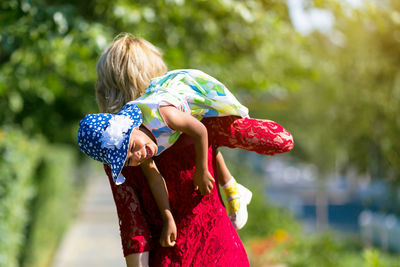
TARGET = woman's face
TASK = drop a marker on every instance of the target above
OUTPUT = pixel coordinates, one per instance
(141, 148)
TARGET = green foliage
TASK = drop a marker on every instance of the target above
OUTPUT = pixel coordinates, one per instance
(53, 207)
(314, 250)
(37, 197)
(47, 67)
(323, 250)
(328, 250)
(372, 258)
(347, 115)
(334, 250)
(19, 157)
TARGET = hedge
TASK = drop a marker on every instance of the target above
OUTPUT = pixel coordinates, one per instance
(39, 192)
(19, 158)
(53, 207)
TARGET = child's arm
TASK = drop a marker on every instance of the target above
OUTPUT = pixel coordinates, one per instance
(186, 123)
(160, 193)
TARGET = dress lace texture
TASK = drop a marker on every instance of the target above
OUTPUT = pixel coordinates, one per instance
(206, 237)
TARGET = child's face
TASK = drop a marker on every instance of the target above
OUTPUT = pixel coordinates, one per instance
(141, 147)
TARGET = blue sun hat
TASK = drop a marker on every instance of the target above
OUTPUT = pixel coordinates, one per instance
(105, 137)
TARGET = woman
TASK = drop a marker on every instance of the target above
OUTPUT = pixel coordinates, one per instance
(206, 236)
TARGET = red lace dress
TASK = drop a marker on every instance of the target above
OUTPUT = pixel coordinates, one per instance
(205, 237)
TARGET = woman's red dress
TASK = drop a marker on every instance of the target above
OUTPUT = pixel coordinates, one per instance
(206, 237)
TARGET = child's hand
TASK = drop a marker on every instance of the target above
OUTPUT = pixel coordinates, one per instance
(203, 181)
(168, 233)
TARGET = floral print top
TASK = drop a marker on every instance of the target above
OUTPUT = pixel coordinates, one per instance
(191, 91)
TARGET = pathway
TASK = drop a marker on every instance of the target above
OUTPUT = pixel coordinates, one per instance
(93, 239)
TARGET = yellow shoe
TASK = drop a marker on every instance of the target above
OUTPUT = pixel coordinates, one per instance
(238, 198)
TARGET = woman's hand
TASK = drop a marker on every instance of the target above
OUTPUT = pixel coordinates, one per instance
(203, 181)
(168, 233)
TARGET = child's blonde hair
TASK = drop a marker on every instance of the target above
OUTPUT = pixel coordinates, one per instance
(124, 71)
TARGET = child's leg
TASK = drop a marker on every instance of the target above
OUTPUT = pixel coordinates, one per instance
(238, 197)
(224, 176)
(137, 259)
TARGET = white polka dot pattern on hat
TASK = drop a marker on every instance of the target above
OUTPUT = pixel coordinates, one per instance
(110, 148)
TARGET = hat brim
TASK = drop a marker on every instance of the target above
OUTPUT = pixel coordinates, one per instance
(133, 112)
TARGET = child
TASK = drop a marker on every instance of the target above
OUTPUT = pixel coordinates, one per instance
(117, 140)
(173, 103)
(125, 70)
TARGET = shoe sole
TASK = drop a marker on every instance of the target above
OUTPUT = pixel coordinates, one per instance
(246, 193)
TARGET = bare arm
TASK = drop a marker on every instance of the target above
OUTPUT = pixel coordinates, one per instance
(180, 121)
(160, 193)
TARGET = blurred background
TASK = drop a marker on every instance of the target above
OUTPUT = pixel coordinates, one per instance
(327, 70)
